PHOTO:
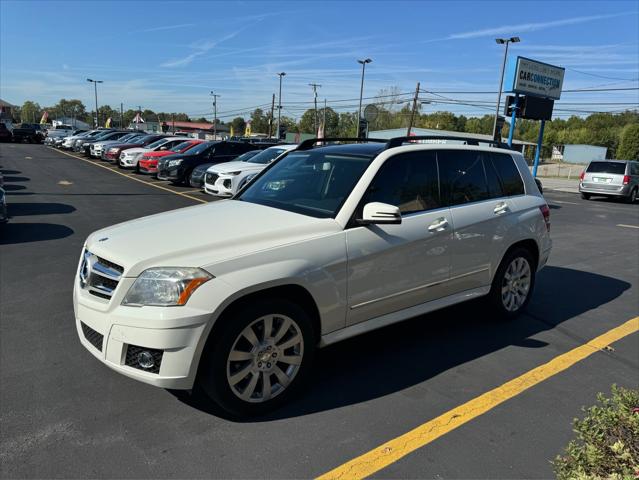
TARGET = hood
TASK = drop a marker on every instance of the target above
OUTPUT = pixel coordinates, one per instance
(203, 235)
(228, 167)
(124, 145)
(133, 151)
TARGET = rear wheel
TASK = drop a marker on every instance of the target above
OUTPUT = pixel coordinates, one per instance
(513, 283)
(259, 359)
(585, 196)
(632, 197)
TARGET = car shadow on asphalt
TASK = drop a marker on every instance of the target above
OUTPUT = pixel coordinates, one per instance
(12, 233)
(400, 356)
(16, 179)
(24, 209)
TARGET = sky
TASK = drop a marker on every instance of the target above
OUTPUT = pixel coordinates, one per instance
(169, 56)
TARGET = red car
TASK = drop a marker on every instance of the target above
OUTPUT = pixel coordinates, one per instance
(149, 162)
(112, 152)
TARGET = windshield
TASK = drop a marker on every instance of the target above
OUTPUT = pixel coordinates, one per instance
(246, 156)
(617, 168)
(144, 138)
(130, 136)
(199, 148)
(157, 143)
(268, 155)
(310, 183)
(179, 147)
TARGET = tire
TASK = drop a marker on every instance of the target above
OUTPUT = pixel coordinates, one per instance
(632, 197)
(250, 370)
(585, 196)
(505, 296)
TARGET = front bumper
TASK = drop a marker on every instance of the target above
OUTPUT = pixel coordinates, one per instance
(173, 174)
(128, 162)
(614, 190)
(175, 332)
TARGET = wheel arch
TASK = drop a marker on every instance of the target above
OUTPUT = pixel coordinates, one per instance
(529, 244)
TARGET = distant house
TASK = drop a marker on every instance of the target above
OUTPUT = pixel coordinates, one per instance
(6, 113)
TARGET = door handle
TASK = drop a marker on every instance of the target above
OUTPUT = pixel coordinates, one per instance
(501, 207)
(438, 225)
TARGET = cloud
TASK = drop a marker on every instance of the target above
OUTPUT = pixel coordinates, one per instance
(167, 27)
(531, 27)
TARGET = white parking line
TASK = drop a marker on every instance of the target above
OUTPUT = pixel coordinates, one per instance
(569, 203)
(627, 226)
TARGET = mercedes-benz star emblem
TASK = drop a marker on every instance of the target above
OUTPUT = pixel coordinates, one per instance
(85, 269)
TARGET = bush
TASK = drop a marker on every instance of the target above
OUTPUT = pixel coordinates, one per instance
(607, 443)
(629, 143)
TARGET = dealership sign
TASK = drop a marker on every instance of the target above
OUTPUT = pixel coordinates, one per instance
(530, 77)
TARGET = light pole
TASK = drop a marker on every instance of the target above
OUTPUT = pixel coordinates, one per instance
(502, 41)
(361, 92)
(279, 106)
(215, 114)
(95, 86)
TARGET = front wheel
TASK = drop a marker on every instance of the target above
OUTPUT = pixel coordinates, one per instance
(259, 357)
(513, 284)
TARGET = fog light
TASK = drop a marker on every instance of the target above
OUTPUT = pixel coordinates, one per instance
(145, 360)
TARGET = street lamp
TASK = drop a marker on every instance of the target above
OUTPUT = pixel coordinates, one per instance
(502, 41)
(279, 106)
(361, 92)
(95, 85)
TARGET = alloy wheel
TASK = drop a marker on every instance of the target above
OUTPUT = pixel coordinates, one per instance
(516, 284)
(265, 358)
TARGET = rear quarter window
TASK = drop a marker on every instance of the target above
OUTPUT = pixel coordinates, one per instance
(508, 173)
(615, 168)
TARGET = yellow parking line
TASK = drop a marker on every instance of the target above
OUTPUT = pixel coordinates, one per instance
(126, 175)
(395, 449)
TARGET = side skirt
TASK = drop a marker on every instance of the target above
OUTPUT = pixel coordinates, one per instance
(401, 315)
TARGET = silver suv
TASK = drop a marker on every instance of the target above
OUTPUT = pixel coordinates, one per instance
(610, 178)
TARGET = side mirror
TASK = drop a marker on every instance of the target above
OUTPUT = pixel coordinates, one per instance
(162, 148)
(377, 213)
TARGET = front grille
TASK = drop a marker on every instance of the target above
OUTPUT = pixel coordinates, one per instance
(211, 177)
(93, 337)
(132, 353)
(99, 276)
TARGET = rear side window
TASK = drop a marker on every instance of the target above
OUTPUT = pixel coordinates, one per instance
(462, 176)
(616, 168)
(408, 181)
(634, 168)
(508, 173)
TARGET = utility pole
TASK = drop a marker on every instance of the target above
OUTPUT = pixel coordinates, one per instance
(122, 115)
(95, 86)
(137, 124)
(361, 91)
(412, 113)
(279, 107)
(270, 121)
(324, 121)
(314, 86)
(215, 114)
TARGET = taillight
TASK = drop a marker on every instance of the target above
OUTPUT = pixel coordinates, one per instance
(545, 211)
(581, 177)
(626, 179)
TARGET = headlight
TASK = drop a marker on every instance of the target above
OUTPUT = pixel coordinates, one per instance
(174, 163)
(165, 287)
(114, 150)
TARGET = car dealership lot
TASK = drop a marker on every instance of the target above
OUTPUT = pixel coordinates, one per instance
(57, 403)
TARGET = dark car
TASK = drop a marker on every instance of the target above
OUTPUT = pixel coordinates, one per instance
(30, 132)
(112, 152)
(4, 215)
(5, 133)
(111, 135)
(197, 176)
(178, 168)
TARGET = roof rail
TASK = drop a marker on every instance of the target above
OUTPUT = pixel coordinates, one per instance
(398, 141)
(308, 144)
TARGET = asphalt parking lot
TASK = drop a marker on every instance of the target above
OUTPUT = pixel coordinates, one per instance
(63, 414)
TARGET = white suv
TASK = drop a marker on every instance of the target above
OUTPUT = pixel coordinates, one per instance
(227, 178)
(327, 243)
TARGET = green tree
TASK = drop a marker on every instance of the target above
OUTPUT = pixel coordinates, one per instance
(239, 125)
(629, 143)
(30, 112)
(307, 122)
(347, 124)
(259, 121)
(70, 109)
